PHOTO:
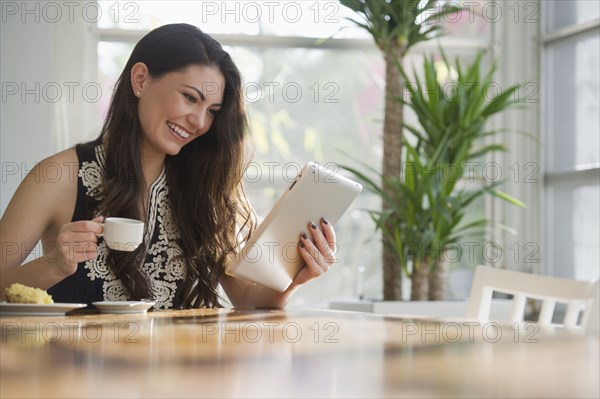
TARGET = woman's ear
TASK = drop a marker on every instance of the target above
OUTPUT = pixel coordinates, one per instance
(139, 78)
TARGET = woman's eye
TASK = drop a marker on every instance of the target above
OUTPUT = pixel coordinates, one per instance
(190, 98)
(213, 112)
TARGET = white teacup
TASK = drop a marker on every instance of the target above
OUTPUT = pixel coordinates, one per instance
(123, 234)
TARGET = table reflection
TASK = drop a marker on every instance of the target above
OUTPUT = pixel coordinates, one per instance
(226, 352)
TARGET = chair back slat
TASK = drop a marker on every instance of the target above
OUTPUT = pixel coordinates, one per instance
(591, 317)
(518, 308)
(546, 313)
(572, 314)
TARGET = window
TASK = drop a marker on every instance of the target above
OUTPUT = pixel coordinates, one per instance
(571, 123)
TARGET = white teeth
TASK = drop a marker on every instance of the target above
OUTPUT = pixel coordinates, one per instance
(182, 133)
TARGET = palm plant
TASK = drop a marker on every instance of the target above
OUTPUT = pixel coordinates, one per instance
(405, 219)
(396, 26)
(426, 205)
(453, 123)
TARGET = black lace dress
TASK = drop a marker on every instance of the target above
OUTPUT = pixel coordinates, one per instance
(93, 280)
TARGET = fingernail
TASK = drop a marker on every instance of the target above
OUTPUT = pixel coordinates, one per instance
(304, 236)
(301, 244)
(324, 221)
(313, 226)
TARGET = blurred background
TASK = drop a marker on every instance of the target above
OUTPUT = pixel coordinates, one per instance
(314, 85)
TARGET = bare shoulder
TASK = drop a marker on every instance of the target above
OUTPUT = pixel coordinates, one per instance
(60, 168)
(45, 199)
(50, 188)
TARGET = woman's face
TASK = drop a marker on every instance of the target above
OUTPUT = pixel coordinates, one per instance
(178, 107)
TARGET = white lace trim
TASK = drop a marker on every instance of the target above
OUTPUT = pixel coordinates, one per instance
(164, 271)
(91, 176)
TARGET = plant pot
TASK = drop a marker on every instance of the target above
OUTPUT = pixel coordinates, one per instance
(500, 310)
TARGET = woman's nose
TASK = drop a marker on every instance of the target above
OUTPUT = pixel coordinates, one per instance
(197, 120)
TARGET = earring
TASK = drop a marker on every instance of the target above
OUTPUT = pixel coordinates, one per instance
(137, 93)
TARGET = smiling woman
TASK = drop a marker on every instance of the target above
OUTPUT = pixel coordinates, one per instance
(172, 153)
(187, 100)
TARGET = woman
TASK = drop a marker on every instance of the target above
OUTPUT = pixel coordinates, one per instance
(171, 153)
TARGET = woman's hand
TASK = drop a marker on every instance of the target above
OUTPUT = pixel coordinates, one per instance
(78, 243)
(318, 253)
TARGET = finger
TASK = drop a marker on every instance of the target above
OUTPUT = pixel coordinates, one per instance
(329, 233)
(308, 247)
(79, 247)
(77, 253)
(86, 225)
(312, 269)
(100, 221)
(89, 237)
(77, 237)
(321, 243)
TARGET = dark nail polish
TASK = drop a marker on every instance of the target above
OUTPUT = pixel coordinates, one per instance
(324, 221)
(301, 245)
(313, 226)
(304, 236)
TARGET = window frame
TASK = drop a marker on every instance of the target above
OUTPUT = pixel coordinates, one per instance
(582, 174)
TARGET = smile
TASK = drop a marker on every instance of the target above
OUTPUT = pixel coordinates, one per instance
(178, 130)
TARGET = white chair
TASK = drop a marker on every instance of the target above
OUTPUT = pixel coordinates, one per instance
(578, 295)
(593, 316)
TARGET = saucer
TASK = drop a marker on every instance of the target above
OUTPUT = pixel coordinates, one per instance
(123, 307)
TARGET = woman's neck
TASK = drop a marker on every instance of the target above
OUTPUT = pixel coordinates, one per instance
(152, 167)
(152, 164)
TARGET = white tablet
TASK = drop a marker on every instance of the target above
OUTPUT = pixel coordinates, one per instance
(271, 257)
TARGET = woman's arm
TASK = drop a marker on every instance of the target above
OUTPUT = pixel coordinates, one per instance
(41, 209)
(318, 257)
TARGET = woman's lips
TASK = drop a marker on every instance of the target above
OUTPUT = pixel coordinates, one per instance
(178, 131)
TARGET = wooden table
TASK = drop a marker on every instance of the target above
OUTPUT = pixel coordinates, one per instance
(288, 353)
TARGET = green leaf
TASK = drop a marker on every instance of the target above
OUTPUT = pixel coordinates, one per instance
(500, 103)
(487, 149)
(509, 198)
(354, 5)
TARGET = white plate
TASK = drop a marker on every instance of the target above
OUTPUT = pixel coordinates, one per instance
(35, 309)
(123, 306)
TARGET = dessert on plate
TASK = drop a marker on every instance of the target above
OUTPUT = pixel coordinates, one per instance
(19, 293)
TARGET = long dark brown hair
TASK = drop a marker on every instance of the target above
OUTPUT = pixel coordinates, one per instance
(207, 201)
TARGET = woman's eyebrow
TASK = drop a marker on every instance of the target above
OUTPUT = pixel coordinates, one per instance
(202, 96)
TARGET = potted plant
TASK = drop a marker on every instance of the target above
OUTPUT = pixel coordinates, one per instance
(427, 203)
(396, 26)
